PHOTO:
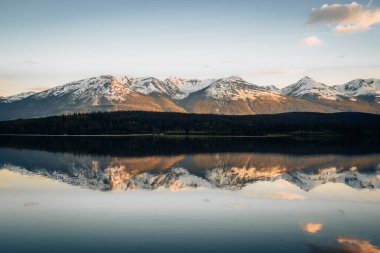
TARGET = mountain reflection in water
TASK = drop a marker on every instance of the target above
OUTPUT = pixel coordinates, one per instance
(174, 194)
(125, 163)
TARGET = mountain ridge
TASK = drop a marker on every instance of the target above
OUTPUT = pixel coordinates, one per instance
(231, 95)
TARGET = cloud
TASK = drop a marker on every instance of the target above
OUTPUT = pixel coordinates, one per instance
(311, 227)
(31, 62)
(280, 72)
(311, 41)
(347, 18)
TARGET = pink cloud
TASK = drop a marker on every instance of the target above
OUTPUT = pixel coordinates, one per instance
(311, 41)
(347, 18)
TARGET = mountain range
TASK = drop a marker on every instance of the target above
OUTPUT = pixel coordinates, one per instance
(231, 95)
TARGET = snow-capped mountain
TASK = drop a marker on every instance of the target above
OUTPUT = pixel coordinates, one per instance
(335, 98)
(187, 86)
(272, 88)
(150, 85)
(235, 88)
(175, 87)
(17, 97)
(93, 89)
(360, 87)
(235, 96)
(231, 95)
(104, 93)
(309, 87)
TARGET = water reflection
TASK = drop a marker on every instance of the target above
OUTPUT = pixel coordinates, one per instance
(354, 245)
(347, 244)
(182, 163)
(311, 228)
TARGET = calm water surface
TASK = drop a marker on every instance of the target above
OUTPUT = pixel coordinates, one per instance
(146, 194)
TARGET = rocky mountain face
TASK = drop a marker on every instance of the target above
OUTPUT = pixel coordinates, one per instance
(307, 87)
(235, 96)
(105, 93)
(14, 98)
(361, 88)
(231, 95)
(337, 98)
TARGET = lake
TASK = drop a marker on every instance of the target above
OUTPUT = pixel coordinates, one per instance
(196, 194)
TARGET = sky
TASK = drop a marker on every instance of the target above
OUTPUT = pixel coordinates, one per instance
(46, 43)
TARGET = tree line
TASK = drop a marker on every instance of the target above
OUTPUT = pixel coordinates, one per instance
(166, 123)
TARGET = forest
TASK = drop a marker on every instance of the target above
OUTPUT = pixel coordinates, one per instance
(165, 123)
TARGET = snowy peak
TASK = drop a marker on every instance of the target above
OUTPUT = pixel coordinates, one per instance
(17, 97)
(187, 86)
(272, 88)
(230, 95)
(233, 78)
(309, 87)
(175, 80)
(150, 85)
(111, 88)
(102, 87)
(360, 87)
(234, 88)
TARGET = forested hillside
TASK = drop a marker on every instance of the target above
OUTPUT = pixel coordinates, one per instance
(123, 123)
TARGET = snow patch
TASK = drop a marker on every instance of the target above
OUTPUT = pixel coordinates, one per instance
(308, 86)
(235, 88)
(17, 97)
(360, 87)
(95, 88)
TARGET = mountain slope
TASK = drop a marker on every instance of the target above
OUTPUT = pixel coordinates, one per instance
(17, 97)
(151, 85)
(369, 88)
(104, 93)
(187, 86)
(233, 95)
(307, 87)
(334, 98)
